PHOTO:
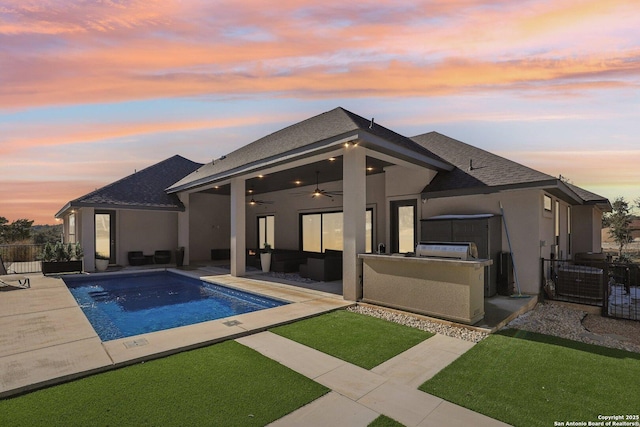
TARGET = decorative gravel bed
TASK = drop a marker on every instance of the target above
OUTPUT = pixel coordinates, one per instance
(547, 318)
(572, 323)
(422, 324)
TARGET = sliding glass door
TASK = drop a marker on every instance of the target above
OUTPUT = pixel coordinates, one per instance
(325, 230)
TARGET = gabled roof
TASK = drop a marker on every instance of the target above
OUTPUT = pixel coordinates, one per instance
(320, 132)
(589, 197)
(478, 171)
(144, 189)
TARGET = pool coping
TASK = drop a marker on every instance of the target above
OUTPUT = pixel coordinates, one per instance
(46, 339)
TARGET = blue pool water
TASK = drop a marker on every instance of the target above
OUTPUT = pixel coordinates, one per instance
(121, 306)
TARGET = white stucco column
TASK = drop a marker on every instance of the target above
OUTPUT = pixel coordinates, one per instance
(238, 228)
(354, 186)
(88, 237)
(183, 226)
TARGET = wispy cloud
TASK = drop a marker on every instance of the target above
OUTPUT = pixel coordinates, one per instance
(26, 199)
(585, 168)
(115, 51)
(23, 137)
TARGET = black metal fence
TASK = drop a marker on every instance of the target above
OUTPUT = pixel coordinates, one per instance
(21, 258)
(614, 286)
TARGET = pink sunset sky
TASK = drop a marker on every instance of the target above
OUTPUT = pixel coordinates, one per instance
(93, 90)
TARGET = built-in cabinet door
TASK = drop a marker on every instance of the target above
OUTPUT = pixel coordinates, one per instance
(403, 225)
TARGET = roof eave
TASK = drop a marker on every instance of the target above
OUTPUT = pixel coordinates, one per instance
(377, 143)
(308, 150)
(78, 205)
(547, 185)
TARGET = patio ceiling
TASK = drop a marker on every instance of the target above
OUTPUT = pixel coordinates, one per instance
(330, 170)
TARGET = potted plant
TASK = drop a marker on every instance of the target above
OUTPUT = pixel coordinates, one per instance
(102, 262)
(61, 258)
(265, 257)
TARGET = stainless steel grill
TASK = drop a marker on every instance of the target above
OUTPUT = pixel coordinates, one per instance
(455, 250)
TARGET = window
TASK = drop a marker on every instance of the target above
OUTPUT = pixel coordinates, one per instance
(105, 235)
(547, 203)
(266, 227)
(369, 231)
(568, 230)
(72, 228)
(406, 229)
(403, 225)
(557, 222)
(322, 231)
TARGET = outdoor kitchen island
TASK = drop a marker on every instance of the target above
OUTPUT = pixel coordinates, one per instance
(451, 289)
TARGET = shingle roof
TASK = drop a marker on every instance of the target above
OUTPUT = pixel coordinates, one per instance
(588, 196)
(479, 171)
(487, 169)
(144, 189)
(327, 126)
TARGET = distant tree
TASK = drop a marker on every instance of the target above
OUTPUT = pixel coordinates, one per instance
(619, 222)
(18, 230)
(46, 234)
(3, 229)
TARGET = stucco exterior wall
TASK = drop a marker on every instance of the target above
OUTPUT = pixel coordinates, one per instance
(146, 231)
(209, 224)
(86, 232)
(523, 212)
(586, 229)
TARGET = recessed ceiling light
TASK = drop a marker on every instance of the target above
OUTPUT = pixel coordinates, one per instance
(332, 159)
(298, 182)
(369, 168)
(260, 176)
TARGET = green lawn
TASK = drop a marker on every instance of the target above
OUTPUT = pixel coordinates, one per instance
(384, 421)
(362, 340)
(528, 379)
(221, 385)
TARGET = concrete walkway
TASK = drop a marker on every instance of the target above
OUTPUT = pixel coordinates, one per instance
(359, 396)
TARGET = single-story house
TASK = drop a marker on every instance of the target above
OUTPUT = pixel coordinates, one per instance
(339, 182)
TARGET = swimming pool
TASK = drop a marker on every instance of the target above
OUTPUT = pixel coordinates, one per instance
(124, 305)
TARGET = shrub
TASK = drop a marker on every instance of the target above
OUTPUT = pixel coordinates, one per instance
(60, 252)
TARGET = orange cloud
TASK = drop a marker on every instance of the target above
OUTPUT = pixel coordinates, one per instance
(396, 78)
(560, 14)
(38, 201)
(585, 168)
(21, 138)
(123, 51)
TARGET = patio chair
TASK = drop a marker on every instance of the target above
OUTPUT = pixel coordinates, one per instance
(10, 281)
(136, 258)
(162, 257)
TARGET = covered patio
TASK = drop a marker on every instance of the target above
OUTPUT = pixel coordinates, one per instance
(336, 162)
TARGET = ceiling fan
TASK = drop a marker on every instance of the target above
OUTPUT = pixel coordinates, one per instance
(254, 202)
(321, 192)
